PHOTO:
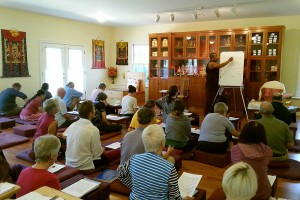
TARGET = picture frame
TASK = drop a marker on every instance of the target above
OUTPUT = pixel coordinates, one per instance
(122, 53)
(98, 54)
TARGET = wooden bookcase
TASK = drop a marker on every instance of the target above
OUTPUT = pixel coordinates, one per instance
(190, 51)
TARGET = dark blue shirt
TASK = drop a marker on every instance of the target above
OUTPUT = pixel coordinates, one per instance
(8, 99)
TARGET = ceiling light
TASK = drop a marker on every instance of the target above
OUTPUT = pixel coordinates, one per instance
(234, 11)
(195, 14)
(172, 17)
(157, 17)
(216, 11)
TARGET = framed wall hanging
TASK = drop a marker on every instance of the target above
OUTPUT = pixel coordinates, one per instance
(122, 53)
(14, 54)
(98, 54)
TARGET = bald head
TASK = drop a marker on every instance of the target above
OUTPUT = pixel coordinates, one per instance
(61, 92)
(266, 108)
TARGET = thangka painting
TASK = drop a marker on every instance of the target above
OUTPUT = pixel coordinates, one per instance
(14, 54)
(122, 53)
(98, 54)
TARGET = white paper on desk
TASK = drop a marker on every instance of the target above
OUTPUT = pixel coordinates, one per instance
(271, 179)
(34, 195)
(233, 118)
(195, 131)
(188, 183)
(81, 187)
(74, 112)
(5, 187)
(115, 117)
(55, 167)
(115, 145)
(187, 114)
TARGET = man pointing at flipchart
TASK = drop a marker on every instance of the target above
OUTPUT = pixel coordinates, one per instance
(212, 79)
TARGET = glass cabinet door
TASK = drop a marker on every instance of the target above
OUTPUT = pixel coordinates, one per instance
(272, 44)
(225, 43)
(240, 42)
(203, 47)
(256, 68)
(164, 47)
(212, 44)
(153, 65)
(153, 47)
(257, 44)
(164, 68)
(190, 45)
(271, 67)
(178, 47)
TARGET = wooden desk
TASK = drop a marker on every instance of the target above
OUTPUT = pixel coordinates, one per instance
(50, 192)
(10, 193)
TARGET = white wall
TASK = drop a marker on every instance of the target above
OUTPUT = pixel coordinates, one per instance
(46, 28)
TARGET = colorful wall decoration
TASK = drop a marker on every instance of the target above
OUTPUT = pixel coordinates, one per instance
(14, 53)
(122, 53)
(98, 54)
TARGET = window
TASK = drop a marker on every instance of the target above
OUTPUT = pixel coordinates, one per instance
(61, 64)
(141, 60)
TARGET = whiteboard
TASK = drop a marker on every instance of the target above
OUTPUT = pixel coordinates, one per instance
(232, 73)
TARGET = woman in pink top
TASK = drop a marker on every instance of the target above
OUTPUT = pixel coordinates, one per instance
(47, 123)
(252, 149)
(46, 150)
(33, 108)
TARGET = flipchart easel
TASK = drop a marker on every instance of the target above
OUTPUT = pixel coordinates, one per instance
(231, 76)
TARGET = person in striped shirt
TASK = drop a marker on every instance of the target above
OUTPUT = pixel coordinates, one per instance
(149, 175)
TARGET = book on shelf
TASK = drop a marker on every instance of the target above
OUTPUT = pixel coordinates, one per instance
(107, 175)
(188, 183)
(81, 187)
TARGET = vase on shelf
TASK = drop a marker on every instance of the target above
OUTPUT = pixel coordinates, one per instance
(113, 81)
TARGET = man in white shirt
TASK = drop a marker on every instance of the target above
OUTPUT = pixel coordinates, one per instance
(129, 102)
(95, 92)
(84, 150)
(62, 117)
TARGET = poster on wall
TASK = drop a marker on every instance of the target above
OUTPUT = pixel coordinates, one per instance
(98, 54)
(122, 53)
(14, 53)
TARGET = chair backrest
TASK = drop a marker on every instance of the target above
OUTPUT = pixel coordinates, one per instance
(184, 86)
(266, 91)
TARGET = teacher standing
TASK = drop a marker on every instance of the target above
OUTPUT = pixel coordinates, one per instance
(212, 79)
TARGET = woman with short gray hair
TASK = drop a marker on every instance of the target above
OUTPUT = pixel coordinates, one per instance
(46, 149)
(216, 130)
(47, 123)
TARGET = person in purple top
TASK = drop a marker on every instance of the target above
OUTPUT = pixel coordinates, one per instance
(8, 96)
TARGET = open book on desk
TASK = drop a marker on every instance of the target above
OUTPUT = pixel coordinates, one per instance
(115, 117)
(5, 187)
(81, 187)
(188, 183)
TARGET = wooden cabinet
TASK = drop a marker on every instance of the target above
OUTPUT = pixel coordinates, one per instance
(187, 54)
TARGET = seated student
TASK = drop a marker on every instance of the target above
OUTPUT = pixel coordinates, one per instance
(33, 108)
(47, 123)
(8, 100)
(166, 103)
(84, 150)
(239, 182)
(62, 117)
(216, 130)
(178, 127)
(100, 120)
(252, 149)
(149, 175)
(48, 95)
(95, 92)
(46, 150)
(134, 121)
(72, 96)
(129, 102)
(132, 142)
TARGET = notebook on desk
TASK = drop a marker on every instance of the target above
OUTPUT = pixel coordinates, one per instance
(81, 187)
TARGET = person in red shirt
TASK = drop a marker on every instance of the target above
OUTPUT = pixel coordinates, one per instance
(46, 149)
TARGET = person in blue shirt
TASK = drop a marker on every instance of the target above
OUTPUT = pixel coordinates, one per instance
(8, 104)
(72, 96)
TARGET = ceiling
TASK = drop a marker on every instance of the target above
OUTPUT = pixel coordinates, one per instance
(118, 13)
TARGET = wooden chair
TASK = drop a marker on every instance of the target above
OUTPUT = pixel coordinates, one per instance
(184, 89)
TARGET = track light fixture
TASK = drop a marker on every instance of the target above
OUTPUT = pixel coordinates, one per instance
(216, 11)
(195, 14)
(234, 11)
(172, 17)
(157, 17)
